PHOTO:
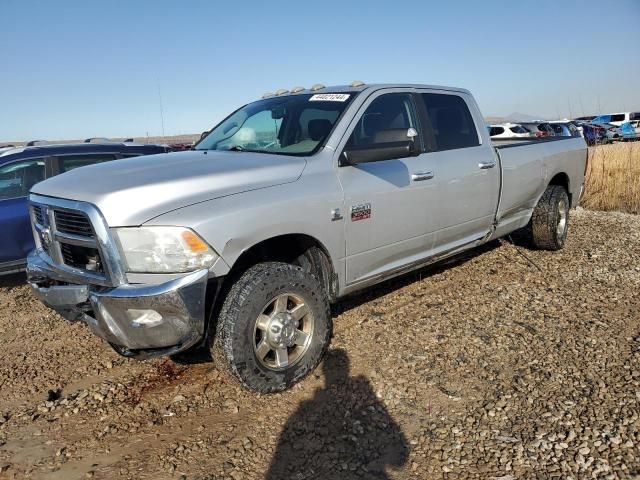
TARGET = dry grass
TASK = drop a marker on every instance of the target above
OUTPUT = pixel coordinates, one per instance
(613, 178)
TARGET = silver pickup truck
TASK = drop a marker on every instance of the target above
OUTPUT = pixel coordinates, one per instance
(290, 203)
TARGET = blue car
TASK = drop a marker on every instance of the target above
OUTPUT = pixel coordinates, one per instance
(21, 168)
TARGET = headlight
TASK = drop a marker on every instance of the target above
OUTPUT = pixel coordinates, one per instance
(163, 250)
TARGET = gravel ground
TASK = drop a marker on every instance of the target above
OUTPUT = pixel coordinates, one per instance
(507, 363)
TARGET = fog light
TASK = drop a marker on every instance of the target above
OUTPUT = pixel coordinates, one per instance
(143, 318)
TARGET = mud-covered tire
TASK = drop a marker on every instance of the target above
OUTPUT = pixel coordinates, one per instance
(234, 345)
(550, 220)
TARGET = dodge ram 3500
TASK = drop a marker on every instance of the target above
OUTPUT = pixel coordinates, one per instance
(288, 204)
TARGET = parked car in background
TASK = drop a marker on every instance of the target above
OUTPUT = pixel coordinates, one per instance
(508, 130)
(630, 130)
(616, 118)
(593, 134)
(587, 118)
(21, 168)
(612, 131)
(567, 129)
(539, 129)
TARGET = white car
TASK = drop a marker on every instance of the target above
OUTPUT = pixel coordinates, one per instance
(509, 130)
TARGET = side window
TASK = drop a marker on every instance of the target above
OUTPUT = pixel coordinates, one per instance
(496, 131)
(383, 119)
(451, 121)
(69, 162)
(17, 178)
(618, 117)
(634, 116)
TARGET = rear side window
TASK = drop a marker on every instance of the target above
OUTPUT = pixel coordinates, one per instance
(72, 162)
(496, 131)
(518, 129)
(450, 121)
(17, 178)
(618, 117)
(634, 116)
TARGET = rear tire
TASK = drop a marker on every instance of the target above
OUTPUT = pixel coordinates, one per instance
(550, 220)
(274, 327)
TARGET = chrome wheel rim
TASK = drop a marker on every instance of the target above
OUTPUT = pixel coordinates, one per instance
(282, 332)
(562, 218)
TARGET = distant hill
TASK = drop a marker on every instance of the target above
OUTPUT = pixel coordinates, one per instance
(514, 118)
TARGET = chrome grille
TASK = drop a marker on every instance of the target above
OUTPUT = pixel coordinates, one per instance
(68, 237)
(73, 223)
(39, 214)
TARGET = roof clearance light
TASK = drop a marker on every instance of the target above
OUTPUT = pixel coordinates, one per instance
(282, 91)
(297, 89)
(317, 86)
(267, 95)
(357, 83)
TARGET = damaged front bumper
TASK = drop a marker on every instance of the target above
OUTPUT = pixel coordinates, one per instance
(137, 320)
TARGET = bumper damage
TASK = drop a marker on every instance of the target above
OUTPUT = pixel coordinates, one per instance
(137, 320)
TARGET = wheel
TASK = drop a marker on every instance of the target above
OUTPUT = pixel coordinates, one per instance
(274, 326)
(550, 219)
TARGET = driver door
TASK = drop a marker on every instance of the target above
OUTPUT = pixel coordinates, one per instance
(387, 202)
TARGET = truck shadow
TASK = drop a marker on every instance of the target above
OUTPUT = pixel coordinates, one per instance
(343, 432)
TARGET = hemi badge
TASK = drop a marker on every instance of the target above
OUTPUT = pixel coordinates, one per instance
(360, 212)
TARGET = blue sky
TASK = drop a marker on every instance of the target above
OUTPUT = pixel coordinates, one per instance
(74, 69)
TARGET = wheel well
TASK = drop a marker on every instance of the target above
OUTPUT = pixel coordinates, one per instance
(297, 249)
(562, 179)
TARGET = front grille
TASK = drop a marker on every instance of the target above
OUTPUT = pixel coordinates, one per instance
(86, 258)
(73, 223)
(39, 214)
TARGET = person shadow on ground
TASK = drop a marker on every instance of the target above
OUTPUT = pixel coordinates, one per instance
(343, 432)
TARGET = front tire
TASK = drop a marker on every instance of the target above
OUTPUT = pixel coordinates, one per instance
(274, 326)
(550, 220)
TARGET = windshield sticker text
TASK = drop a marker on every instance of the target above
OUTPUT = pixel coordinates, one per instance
(329, 97)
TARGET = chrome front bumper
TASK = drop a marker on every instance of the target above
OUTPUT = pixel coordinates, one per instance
(137, 320)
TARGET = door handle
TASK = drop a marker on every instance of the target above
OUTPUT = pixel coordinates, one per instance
(420, 176)
(486, 165)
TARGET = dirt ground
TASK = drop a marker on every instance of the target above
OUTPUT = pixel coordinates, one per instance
(508, 363)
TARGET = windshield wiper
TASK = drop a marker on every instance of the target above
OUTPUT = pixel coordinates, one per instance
(237, 148)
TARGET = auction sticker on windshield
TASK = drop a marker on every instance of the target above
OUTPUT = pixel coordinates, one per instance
(329, 97)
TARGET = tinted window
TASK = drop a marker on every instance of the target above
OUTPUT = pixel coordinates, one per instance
(450, 121)
(496, 131)
(386, 114)
(16, 179)
(618, 117)
(518, 129)
(634, 116)
(75, 161)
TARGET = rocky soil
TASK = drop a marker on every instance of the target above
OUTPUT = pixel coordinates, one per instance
(508, 363)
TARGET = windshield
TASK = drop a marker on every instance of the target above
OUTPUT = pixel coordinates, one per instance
(291, 125)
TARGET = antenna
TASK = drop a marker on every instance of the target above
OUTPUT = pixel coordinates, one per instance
(161, 109)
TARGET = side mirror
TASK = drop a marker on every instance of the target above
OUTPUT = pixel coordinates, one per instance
(387, 145)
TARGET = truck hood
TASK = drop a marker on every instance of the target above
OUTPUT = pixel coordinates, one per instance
(132, 191)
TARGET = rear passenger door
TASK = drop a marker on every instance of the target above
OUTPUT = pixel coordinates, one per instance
(466, 170)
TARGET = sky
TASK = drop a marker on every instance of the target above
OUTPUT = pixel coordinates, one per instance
(76, 69)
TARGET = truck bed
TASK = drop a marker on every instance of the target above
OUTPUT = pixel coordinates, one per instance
(528, 166)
